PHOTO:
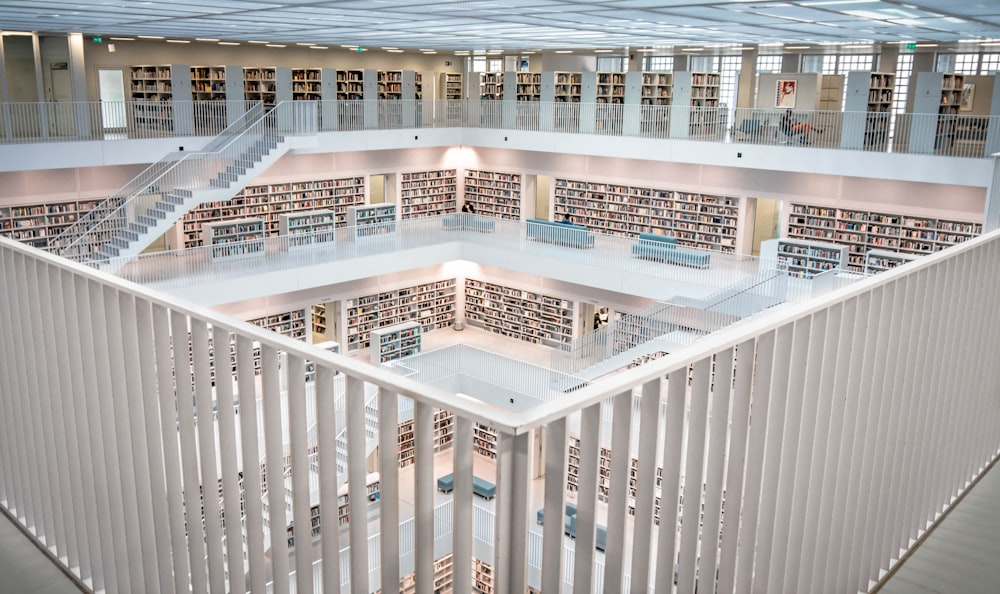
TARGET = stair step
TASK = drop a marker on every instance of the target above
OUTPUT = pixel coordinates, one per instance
(174, 198)
(183, 192)
(165, 206)
(216, 183)
(146, 220)
(138, 228)
(106, 255)
(119, 242)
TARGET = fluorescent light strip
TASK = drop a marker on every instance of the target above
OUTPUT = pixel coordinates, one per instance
(390, 48)
(399, 51)
(603, 51)
(692, 49)
(564, 51)
(275, 45)
(150, 36)
(178, 41)
(318, 47)
(796, 47)
(199, 39)
(228, 43)
(306, 44)
(260, 42)
(646, 50)
(122, 38)
(927, 45)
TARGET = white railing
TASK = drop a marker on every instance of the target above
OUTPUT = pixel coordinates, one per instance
(955, 135)
(872, 409)
(195, 266)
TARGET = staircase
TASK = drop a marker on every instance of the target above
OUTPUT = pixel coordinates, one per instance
(665, 326)
(140, 212)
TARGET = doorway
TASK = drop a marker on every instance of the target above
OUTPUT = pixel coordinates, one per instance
(111, 82)
(542, 184)
(376, 189)
(766, 221)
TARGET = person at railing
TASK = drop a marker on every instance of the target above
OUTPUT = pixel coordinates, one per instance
(601, 318)
(792, 127)
(468, 207)
(567, 220)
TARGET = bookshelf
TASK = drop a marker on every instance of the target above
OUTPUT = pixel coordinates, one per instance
(870, 93)
(208, 83)
(232, 240)
(389, 85)
(444, 432)
(36, 224)
(350, 85)
(657, 88)
(494, 194)
(568, 87)
(862, 230)
(697, 220)
(260, 84)
(484, 441)
(307, 84)
(882, 260)
(451, 85)
(306, 229)
(287, 323)
(610, 87)
(320, 327)
(372, 220)
(427, 193)
(269, 202)
(805, 258)
(529, 86)
(519, 314)
(395, 342)
(433, 304)
(604, 477)
(151, 93)
(491, 86)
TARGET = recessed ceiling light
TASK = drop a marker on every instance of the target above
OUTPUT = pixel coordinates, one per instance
(275, 45)
(150, 36)
(306, 44)
(646, 50)
(603, 51)
(390, 48)
(200, 39)
(260, 42)
(399, 51)
(318, 47)
(527, 53)
(990, 43)
(927, 45)
(122, 38)
(796, 47)
(349, 46)
(564, 51)
(692, 49)
(178, 41)
(228, 43)
(426, 50)
(430, 52)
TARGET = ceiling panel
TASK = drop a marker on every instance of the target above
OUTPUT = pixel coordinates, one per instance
(516, 24)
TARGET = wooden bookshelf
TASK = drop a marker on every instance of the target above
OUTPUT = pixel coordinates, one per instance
(269, 202)
(705, 89)
(805, 258)
(427, 193)
(610, 87)
(451, 85)
(208, 83)
(529, 86)
(432, 304)
(232, 240)
(38, 223)
(657, 88)
(151, 92)
(444, 434)
(519, 314)
(306, 229)
(871, 92)
(389, 84)
(863, 230)
(493, 193)
(703, 221)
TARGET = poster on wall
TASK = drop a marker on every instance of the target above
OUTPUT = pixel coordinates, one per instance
(968, 96)
(785, 96)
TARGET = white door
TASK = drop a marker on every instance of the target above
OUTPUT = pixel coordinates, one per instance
(112, 86)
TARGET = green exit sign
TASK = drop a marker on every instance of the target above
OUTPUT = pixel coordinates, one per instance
(98, 39)
(911, 46)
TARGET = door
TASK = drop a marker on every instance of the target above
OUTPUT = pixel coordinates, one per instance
(766, 222)
(112, 88)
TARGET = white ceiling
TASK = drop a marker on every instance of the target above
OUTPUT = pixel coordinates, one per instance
(516, 24)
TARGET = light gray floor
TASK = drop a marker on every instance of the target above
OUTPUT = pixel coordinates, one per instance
(962, 554)
(26, 570)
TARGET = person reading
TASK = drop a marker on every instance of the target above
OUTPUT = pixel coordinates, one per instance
(792, 127)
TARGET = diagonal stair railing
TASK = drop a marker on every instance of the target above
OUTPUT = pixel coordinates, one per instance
(167, 184)
(659, 319)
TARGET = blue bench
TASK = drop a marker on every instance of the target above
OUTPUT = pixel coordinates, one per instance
(565, 234)
(601, 538)
(481, 487)
(460, 221)
(663, 248)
